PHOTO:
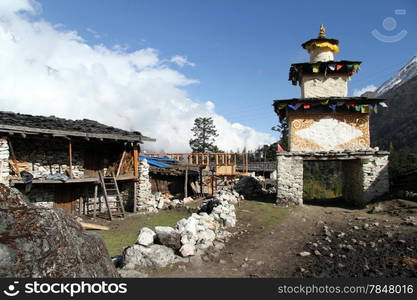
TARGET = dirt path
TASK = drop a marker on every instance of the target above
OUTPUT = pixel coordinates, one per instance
(272, 251)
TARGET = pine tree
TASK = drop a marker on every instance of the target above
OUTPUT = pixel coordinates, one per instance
(205, 134)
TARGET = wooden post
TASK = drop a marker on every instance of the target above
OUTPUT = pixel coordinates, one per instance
(135, 161)
(70, 157)
(247, 162)
(201, 180)
(81, 208)
(186, 182)
(208, 161)
(212, 182)
(87, 200)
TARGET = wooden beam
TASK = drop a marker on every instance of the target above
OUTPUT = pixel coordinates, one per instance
(94, 226)
(121, 162)
(70, 157)
(135, 161)
(186, 182)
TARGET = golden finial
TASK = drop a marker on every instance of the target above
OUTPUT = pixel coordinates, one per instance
(322, 34)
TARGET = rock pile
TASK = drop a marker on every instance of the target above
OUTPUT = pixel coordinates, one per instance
(191, 236)
(249, 187)
(228, 194)
(42, 242)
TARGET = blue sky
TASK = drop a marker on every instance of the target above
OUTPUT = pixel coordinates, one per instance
(242, 49)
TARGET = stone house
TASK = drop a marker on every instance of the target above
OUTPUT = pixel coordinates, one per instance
(56, 162)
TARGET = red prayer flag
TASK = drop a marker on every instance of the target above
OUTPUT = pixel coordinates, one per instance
(280, 149)
(306, 106)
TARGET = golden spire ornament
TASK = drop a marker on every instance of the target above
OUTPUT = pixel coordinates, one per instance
(322, 34)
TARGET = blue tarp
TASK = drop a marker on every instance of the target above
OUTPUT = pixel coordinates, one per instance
(160, 162)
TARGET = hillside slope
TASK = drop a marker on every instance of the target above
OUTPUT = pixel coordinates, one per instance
(398, 123)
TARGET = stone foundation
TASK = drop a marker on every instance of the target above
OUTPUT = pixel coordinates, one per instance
(365, 175)
(289, 180)
(144, 198)
(365, 179)
(4, 161)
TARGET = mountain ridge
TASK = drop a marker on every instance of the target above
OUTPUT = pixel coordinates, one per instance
(407, 72)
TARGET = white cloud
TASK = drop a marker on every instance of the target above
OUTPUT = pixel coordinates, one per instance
(181, 61)
(47, 70)
(368, 88)
(94, 33)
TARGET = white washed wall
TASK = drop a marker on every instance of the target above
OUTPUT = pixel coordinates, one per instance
(312, 87)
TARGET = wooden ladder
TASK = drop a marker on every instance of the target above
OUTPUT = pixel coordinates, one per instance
(110, 188)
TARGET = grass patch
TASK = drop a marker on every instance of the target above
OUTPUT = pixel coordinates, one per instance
(124, 233)
(265, 214)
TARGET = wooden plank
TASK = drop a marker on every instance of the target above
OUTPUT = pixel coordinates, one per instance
(70, 158)
(186, 182)
(135, 161)
(121, 162)
(94, 226)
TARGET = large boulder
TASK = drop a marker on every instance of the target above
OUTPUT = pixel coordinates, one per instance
(158, 256)
(42, 242)
(168, 236)
(146, 236)
(249, 187)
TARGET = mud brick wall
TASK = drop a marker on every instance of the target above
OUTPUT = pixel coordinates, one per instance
(289, 181)
(49, 156)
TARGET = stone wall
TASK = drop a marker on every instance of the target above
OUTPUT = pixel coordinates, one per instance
(144, 197)
(289, 180)
(375, 177)
(364, 173)
(365, 179)
(46, 157)
(4, 161)
(312, 86)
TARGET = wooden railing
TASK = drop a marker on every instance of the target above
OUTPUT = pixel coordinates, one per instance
(221, 163)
